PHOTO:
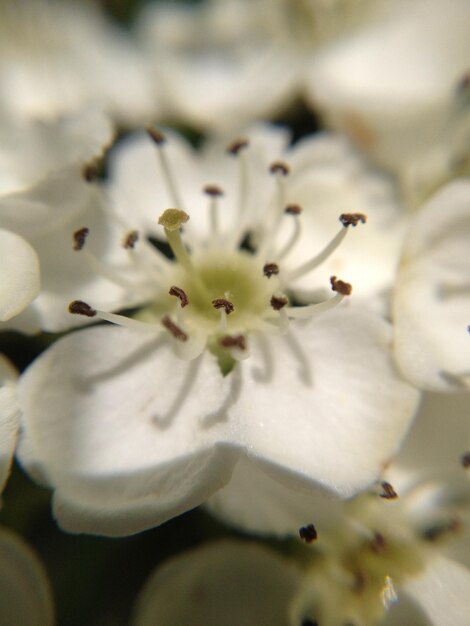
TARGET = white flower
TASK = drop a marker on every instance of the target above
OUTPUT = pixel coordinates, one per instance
(25, 591)
(134, 425)
(58, 56)
(431, 308)
(43, 200)
(370, 551)
(9, 418)
(226, 582)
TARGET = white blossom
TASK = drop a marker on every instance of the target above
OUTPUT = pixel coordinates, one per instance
(9, 418)
(134, 425)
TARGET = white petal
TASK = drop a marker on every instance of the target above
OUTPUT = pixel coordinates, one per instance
(442, 592)
(432, 295)
(222, 583)
(25, 593)
(325, 405)
(124, 429)
(19, 274)
(9, 414)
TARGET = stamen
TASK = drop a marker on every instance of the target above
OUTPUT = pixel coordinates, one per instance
(78, 307)
(352, 219)
(222, 303)
(130, 240)
(388, 492)
(465, 460)
(80, 237)
(378, 543)
(320, 258)
(238, 149)
(345, 289)
(270, 269)
(434, 533)
(236, 146)
(279, 167)
(295, 210)
(214, 192)
(312, 310)
(175, 330)
(233, 341)
(160, 140)
(90, 172)
(278, 302)
(180, 294)
(308, 533)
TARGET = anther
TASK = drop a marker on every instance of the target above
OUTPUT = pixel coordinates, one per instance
(213, 190)
(222, 303)
(378, 543)
(434, 533)
(308, 533)
(233, 341)
(175, 330)
(345, 289)
(352, 219)
(173, 219)
(90, 172)
(465, 460)
(278, 302)
(388, 492)
(279, 167)
(129, 241)
(270, 269)
(157, 136)
(293, 209)
(78, 307)
(180, 294)
(237, 145)
(79, 238)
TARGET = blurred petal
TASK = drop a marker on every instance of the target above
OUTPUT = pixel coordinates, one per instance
(19, 274)
(25, 592)
(226, 583)
(9, 418)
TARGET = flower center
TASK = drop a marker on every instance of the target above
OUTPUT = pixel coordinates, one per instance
(216, 292)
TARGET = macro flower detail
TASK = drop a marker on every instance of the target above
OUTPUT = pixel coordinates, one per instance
(134, 424)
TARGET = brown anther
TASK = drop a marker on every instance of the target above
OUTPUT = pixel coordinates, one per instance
(293, 209)
(237, 145)
(174, 329)
(434, 533)
(222, 303)
(180, 294)
(465, 460)
(359, 582)
(213, 190)
(464, 83)
(129, 241)
(90, 172)
(352, 219)
(345, 289)
(279, 167)
(156, 136)
(378, 543)
(233, 341)
(279, 302)
(270, 269)
(79, 238)
(388, 492)
(81, 308)
(308, 533)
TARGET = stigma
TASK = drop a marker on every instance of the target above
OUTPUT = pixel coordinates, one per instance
(221, 291)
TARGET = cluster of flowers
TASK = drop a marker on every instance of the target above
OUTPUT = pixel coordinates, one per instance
(286, 322)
